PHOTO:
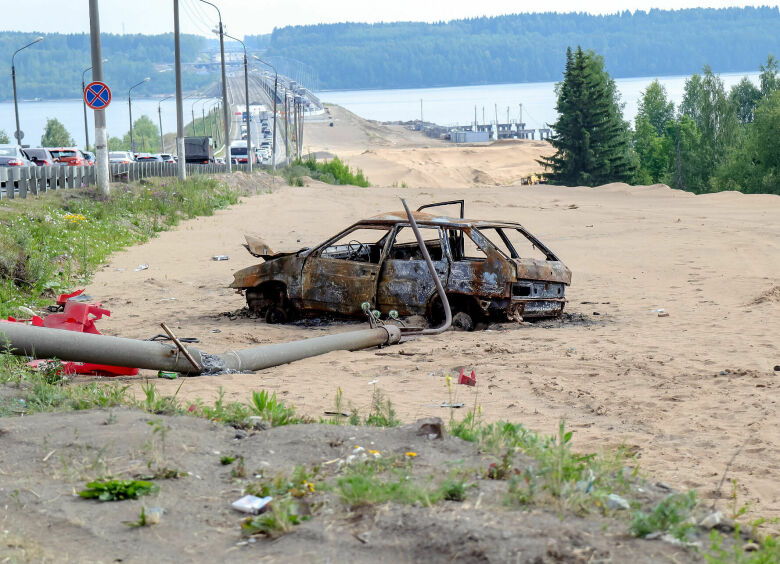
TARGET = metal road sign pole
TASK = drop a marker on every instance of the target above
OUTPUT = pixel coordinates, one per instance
(101, 138)
(181, 163)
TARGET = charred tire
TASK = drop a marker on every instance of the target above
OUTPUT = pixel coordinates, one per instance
(462, 321)
(275, 315)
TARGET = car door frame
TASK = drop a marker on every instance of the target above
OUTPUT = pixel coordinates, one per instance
(411, 277)
(324, 280)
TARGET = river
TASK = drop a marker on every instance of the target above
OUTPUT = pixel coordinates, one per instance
(445, 106)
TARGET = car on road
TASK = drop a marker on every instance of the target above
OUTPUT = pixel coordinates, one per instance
(13, 155)
(89, 157)
(120, 157)
(148, 157)
(39, 155)
(69, 156)
(167, 158)
(489, 270)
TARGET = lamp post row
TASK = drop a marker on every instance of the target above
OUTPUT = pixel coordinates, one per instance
(94, 19)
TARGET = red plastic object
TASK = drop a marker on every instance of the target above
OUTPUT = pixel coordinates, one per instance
(81, 317)
(467, 380)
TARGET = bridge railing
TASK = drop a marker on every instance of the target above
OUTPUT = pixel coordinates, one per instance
(18, 182)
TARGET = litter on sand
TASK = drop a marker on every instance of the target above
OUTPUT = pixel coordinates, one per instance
(141, 267)
(251, 504)
(220, 257)
(445, 404)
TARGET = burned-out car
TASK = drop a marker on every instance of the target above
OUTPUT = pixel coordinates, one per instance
(489, 269)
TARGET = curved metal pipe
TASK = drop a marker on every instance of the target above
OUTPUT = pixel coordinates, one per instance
(439, 288)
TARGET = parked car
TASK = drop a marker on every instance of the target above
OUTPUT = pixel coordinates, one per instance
(120, 157)
(13, 155)
(167, 158)
(489, 269)
(70, 156)
(90, 157)
(147, 157)
(39, 155)
(219, 160)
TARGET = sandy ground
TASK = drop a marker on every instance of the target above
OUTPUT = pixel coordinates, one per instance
(392, 154)
(686, 392)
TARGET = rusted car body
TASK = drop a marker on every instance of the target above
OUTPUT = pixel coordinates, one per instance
(486, 268)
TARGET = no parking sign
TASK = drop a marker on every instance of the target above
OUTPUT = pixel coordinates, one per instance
(97, 95)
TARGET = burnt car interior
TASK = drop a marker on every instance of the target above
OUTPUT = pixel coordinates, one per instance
(358, 245)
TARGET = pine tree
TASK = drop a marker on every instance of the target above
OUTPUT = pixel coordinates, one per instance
(592, 140)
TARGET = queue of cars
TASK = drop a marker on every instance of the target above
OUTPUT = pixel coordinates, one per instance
(13, 155)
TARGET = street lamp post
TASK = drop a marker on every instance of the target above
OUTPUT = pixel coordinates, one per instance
(159, 116)
(18, 133)
(249, 156)
(130, 106)
(84, 103)
(273, 139)
(225, 107)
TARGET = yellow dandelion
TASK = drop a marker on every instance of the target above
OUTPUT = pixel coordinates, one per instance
(74, 218)
(373, 452)
(309, 486)
(411, 454)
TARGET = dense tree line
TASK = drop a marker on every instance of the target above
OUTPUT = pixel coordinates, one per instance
(52, 69)
(715, 140)
(526, 47)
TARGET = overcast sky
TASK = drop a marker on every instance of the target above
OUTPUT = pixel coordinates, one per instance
(248, 17)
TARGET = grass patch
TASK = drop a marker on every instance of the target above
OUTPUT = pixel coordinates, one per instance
(117, 490)
(333, 171)
(50, 243)
(670, 515)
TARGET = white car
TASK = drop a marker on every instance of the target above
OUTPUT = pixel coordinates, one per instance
(120, 157)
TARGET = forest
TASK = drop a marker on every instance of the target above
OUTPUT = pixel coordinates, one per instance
(52, 69)
(526, 47)
(714, 140)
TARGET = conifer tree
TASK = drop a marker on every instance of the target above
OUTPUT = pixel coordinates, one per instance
(592, 140)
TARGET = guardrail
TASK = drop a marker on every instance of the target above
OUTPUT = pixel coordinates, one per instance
(18, 182)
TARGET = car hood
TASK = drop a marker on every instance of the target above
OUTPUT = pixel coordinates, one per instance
(543, 270)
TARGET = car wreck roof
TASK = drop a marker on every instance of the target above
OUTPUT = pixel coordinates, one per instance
(431, 219)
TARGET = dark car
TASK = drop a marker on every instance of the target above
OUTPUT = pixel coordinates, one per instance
(39, 155)
(489, 269)
(13, 155)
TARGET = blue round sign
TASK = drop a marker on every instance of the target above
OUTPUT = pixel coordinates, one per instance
(97, 95)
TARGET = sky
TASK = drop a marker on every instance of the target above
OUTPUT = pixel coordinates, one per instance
(251, 17)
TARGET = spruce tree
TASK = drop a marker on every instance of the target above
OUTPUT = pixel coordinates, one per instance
(592, 140)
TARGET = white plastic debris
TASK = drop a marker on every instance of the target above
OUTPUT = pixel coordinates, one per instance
(251, 504)
(141, 267)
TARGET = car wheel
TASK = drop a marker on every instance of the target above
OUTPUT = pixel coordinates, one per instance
(275, 315)
(462, 322)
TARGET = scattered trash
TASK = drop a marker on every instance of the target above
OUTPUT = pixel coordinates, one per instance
(167, 375)
(372, 382)
(252, 504)
(659, 310)
(777, 367)
(215, 331)
(153, 515)
(717, 521)
(467, 380)
(663, 314)
(220, 257)
(445, 404)
(73, 314)
(167, 299)
(614, 501)
(141, 267)
(342, 413)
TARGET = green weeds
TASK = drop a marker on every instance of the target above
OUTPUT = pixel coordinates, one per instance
(117, 490)
(331, 172)
(670, 515)
(47, 247)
